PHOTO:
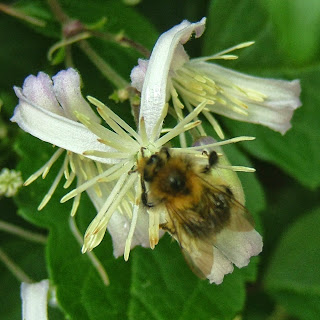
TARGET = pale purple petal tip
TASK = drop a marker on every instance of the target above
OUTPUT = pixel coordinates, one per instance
(138, 74)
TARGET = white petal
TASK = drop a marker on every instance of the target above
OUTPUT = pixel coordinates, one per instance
(118, 227)
(154, 89)
(39, 90)
(221, 266)
(281, 97)
(55, 129)
(67, 90)
(34, 300)
(239, 247)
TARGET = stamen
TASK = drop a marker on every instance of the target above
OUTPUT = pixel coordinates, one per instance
(214, 123)
(217, 144)
(106, 112)
(45, 168)
(143, 132)
(71, 161)
(107, 136)
(237, 168)
(75, 205)
(79, 166)
(200, 128)
(124, 170)
(107, 154)
(135, 214)
(105, 213)
(96, 179)
(69, 180)
(226, 57)
(154, 220)
(159, 122)
(52, 189)
(195, 98)
(118, 146)
(221, 53)
(180, 126)
(251, 94)
(95, 262)
(192, 125)
(183, 139)
(91, 171)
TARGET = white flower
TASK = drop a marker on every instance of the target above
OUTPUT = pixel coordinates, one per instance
(35, 300)
(103, 160)
(10, 182)
(268, 102)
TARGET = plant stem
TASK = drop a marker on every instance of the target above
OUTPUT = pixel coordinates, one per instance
(95, 261)
(104, 67)
(25, 234)
(15, 269)
(20, 15)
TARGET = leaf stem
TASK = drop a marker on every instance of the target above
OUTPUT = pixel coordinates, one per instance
(25, 234)
(15, 269)
(9, 10)
(95, 261)
(104, 67)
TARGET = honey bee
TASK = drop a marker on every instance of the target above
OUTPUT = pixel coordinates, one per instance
(198, 205)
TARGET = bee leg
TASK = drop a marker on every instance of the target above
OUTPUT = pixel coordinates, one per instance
(132, 171)
(145, 201)
(144, 196)
(212, 161)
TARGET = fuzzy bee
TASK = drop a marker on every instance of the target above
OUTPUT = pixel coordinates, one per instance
(202, 212)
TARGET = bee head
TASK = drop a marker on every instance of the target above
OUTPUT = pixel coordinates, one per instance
(155, 163)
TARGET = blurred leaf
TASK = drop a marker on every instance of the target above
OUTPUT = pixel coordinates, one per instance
(299, 40)
(299, 146)
(292, 278)
(21, 54)
(164, 288)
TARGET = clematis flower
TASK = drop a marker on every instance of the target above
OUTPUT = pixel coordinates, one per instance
(268, 102)
(104, 158)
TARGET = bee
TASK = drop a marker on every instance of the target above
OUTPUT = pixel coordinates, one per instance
(198, 205)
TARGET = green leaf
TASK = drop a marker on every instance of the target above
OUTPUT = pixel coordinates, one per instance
(164, 288)
(292, 151)
(299, 40)
(17, 60)
(292, 278)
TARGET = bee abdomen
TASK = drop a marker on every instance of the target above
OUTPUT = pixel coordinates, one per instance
(210, 215)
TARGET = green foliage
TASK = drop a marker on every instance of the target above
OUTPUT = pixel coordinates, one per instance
(283, 196)
(292, 277)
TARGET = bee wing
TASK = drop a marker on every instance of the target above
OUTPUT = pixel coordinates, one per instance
(206, 261)
(215, 236)
(203, 258)
(237, 240)
(240, 218)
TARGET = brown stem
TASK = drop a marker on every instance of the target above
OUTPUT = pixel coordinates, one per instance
(20, 15)
(58, 12)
